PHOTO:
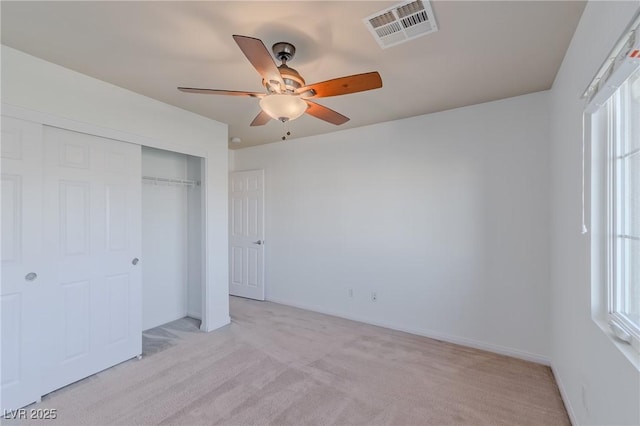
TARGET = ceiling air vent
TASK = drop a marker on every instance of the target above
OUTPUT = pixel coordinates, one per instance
(401, 23)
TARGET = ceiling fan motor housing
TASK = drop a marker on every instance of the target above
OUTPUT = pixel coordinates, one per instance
(284, 51)
(292, 79)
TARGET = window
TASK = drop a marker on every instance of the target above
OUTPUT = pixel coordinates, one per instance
(613, 110)
(624, 209)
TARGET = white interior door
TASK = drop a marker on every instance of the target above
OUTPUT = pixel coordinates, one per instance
(21, 255)
(246, 234)
(92, 318)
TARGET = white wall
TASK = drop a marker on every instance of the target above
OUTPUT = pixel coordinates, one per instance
(36, 85)
(600, 385)
(444, 216)
(164, 239)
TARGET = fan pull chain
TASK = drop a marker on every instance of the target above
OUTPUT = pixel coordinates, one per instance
(285, 124)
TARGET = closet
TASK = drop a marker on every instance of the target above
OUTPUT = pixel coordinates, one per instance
(100, 240)
(171, 237)
(71, 287)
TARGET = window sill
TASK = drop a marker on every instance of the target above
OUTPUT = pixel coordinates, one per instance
(627, 349)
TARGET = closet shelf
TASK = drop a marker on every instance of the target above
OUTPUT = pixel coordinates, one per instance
(168, 181)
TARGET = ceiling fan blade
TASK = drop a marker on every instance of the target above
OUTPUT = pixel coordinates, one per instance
(342, 86)
(261, 119)
(257, 53)
(220, 92)
(326, 114)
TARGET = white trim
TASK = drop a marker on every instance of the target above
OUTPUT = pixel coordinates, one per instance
(215, 325)
(627, 350)
(52, 120)
(565, 397)
(601, 134)
(618, 126)
(463, 341)
(93, 129)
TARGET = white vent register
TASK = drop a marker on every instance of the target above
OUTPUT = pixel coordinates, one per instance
(401, 23)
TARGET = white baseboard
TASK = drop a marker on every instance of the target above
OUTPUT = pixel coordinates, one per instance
(502, 350)
(215, 325)
(565, 398)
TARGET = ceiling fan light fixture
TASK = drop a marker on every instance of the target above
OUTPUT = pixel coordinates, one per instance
(283, 107)
(287, 92)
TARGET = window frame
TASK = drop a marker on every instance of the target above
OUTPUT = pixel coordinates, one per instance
(618, 128)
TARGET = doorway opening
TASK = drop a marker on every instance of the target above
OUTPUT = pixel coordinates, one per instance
(172, 237)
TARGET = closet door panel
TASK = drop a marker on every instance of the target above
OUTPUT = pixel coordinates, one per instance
(92, 233)
(75, 318)
(22, 271)
(118, 287)
(116, 197)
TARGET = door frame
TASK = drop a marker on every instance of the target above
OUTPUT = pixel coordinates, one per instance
(211, 294)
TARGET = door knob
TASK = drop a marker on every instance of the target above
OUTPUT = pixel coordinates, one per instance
(135, 261)
(31, 276)
(259, 242)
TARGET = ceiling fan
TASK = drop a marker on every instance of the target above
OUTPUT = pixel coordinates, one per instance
(288, 96)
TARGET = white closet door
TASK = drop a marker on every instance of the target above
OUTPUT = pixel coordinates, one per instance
(21, 255)
(92, 190)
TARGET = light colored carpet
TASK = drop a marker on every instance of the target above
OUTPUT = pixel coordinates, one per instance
(284, 366)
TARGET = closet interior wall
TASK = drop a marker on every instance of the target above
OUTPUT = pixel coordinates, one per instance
(171, 237)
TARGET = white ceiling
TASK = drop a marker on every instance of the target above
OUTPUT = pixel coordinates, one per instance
(483, 51)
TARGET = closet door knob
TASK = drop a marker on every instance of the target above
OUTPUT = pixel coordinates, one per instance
(135, 261)
(31, 276)
(259, 242)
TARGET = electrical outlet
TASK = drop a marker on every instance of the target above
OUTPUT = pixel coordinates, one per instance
(584, 397)
(374, 296)
(351, 292)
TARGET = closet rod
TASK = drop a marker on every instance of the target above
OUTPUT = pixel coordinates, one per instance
(169, 181)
